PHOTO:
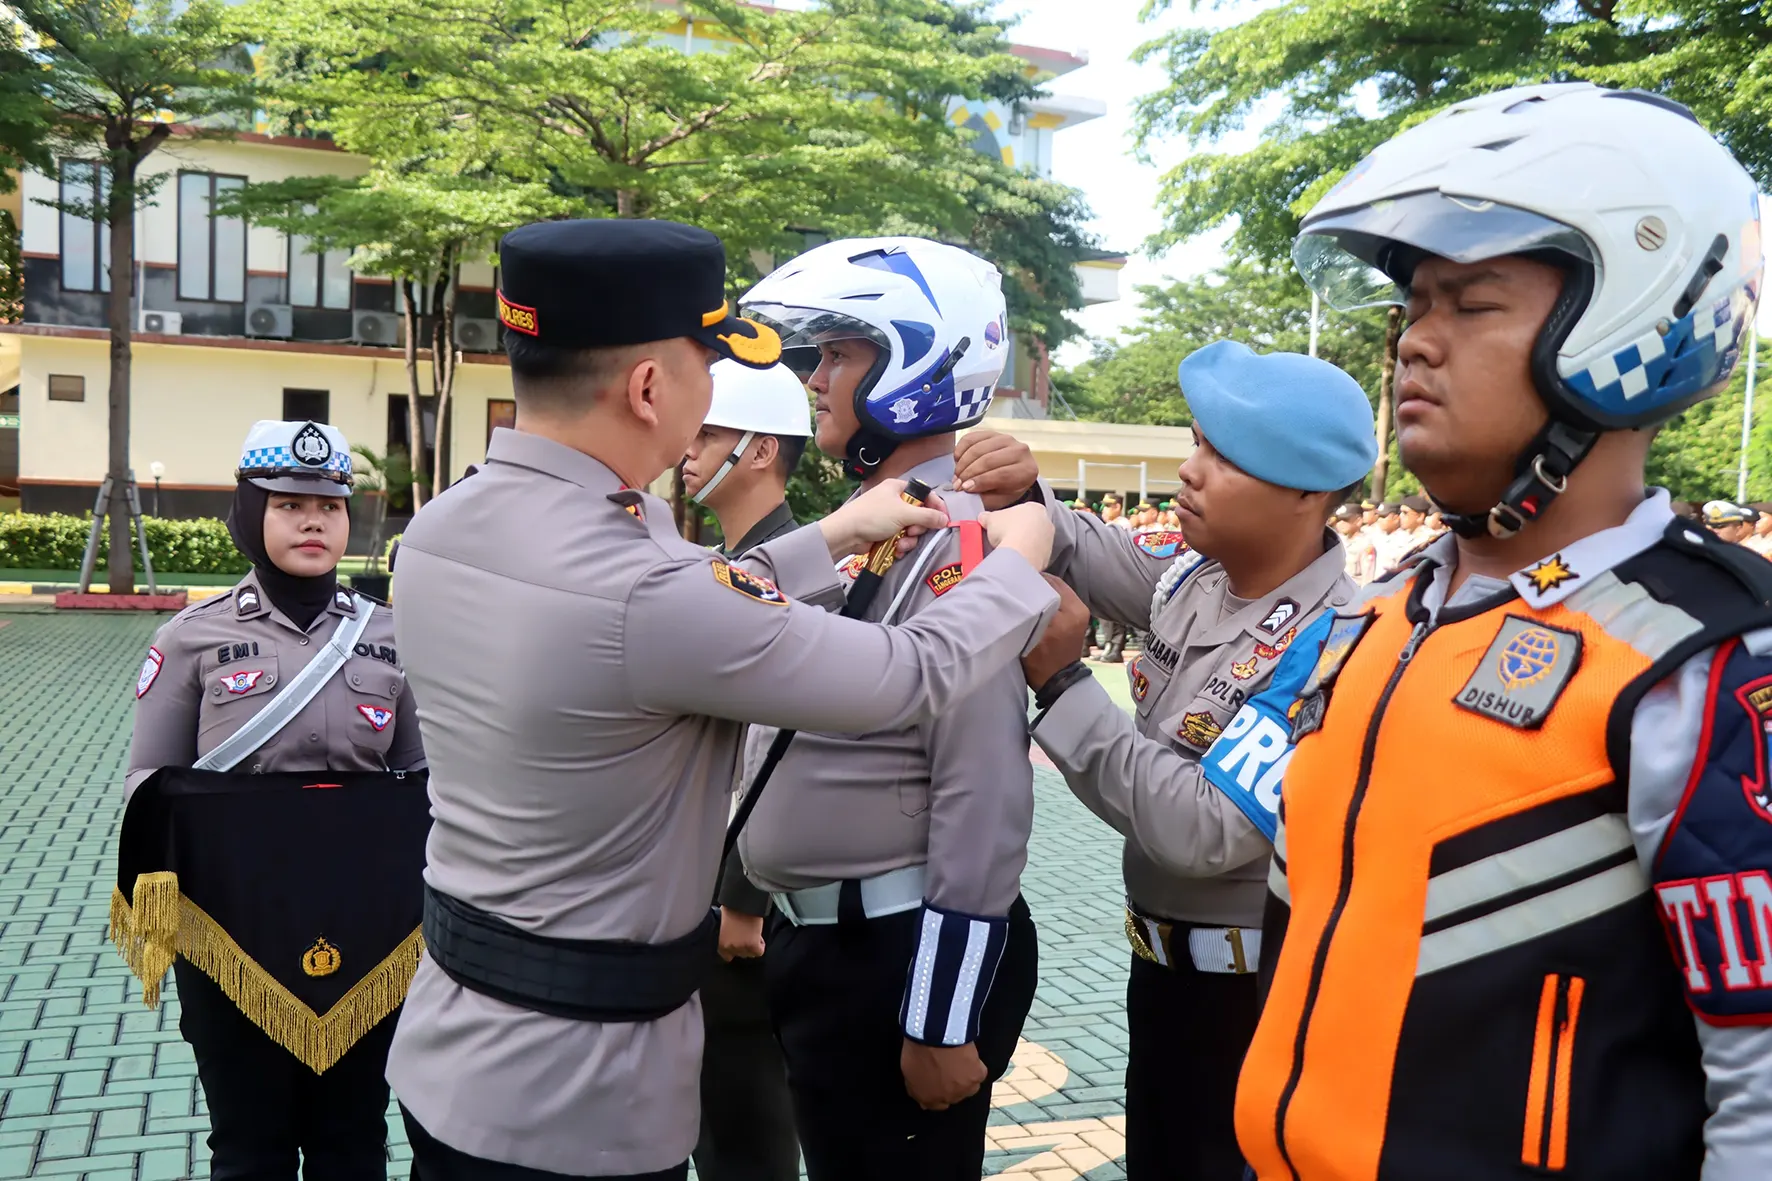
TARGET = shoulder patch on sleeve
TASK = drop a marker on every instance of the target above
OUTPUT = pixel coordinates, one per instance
(751, 585)
(150, 672)
(946, 578)
(1712, 889)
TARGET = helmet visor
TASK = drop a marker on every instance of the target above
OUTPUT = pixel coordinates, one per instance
(1363, 258)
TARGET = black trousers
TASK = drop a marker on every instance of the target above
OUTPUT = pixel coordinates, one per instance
(1189, 1033)
(747, 1117)
(834, 994)
(268, 1111)
(433, 1160)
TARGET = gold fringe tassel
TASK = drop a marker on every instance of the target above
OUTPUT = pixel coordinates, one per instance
(318, 1041)
(146, 931)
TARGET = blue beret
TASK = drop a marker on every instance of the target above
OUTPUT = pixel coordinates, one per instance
(1291, 420)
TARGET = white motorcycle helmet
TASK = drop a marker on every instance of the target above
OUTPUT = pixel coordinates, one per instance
(1654, 224)
(755, 402)
(935, 312)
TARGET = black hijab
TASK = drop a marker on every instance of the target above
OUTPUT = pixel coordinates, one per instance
(301, 599)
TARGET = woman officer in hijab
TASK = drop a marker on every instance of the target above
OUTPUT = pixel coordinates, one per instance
(214, 668)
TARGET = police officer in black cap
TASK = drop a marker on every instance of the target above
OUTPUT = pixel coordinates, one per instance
(584, 748)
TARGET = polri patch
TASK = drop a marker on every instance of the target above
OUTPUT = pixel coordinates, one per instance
(945, 579)
(376, 716)
(760, 589)
(852, 566)
(1522, 674)
(150, 672)
(1278, 648)
(1141, 684)
(1161, 544)
(1244, 669)
(1199, 729)
(242, 682)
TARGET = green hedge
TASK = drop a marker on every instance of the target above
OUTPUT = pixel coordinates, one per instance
(55, 541)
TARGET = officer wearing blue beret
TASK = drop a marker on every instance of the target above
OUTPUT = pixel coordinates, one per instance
(1278, 441)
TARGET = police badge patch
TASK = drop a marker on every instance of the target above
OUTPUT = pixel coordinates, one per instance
(310, 446)
(150, 672)
(1199, 729)
(1522, 674)
(761, 589)
(376, 716)
(1161, 544)
(1344, 633)
(242, 682)
(1141, 684)
(945, 579)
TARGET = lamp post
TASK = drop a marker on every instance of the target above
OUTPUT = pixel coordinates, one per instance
(157, 469)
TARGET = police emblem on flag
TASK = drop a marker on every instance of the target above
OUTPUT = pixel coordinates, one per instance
(377, 717)
(219, 869)
(242, 682)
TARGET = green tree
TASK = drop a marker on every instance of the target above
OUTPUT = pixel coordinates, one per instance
(1263, 306)
(114, 78)
(1697, 455)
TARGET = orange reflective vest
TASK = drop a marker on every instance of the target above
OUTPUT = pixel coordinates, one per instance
(1472, 982)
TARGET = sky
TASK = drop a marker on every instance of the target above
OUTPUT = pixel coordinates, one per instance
(1097, 156)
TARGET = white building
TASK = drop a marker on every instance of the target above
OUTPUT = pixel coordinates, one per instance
(237, 323)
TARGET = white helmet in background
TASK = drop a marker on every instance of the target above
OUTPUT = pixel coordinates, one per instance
(757, 402)
(1654, 224)
(935, 312)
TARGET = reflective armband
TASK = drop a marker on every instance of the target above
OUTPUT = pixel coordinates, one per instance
(944, 994)
(1248, 761)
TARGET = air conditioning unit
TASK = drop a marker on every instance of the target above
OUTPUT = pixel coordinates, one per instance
(270, 319)
(376, 328)
(163, 323)
(476, 335)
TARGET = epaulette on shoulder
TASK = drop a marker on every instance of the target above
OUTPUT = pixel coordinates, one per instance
(365, 595)
(1746, 568)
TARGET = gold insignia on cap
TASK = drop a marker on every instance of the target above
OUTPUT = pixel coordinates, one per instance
(517, 318)
(709, 319)
(1549, 574)
(761, 347)
(322, 959)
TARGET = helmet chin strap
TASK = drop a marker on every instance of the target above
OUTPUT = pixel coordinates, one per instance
(867, 449)
(732, 461)
(1540, 476)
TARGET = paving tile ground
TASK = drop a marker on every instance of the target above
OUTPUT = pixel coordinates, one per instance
(94, 1086)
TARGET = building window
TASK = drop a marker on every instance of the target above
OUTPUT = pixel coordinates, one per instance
(67, 387)
(86, 242)
(318, 279)
(306, 405)
(499, 412)
(211, 249)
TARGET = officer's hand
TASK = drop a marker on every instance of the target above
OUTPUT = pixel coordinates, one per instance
(997, 467)
(938, 1077)
(1058, 648)
(741, 935)
(877, 514)
(1026, 529)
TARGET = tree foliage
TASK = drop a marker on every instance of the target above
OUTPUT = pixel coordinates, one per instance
(830, 118)
(1263, 306)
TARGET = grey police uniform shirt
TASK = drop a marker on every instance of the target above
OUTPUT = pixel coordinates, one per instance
(583, 676)
(954, 792)
(736, 892)
(216, 664)
(1665, 734)
(1190, 853)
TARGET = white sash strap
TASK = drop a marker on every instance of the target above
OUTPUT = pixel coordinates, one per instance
(269, 721)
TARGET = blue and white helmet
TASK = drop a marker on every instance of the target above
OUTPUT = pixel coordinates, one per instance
(935, 311)
(1655, 224)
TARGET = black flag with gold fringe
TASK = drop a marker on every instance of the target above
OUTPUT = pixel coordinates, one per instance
(299, 894)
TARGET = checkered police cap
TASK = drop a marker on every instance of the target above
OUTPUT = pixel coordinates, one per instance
(293, 456)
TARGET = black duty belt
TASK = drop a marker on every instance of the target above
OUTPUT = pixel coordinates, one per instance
(605, 980)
